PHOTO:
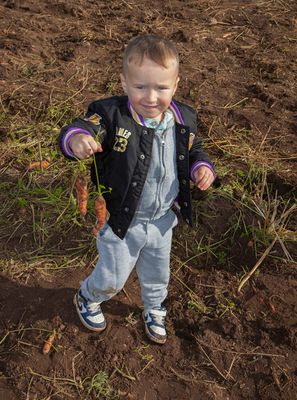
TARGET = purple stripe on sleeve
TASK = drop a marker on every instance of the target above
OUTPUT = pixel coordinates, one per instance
(66, 138)
(199, 164)
(178, 113)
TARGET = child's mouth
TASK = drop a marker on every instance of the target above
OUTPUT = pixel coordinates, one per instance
(149, 107)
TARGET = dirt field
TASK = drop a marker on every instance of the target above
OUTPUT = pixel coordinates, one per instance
(238, 69)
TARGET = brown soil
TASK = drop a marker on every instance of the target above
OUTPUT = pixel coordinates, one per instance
(231, 346)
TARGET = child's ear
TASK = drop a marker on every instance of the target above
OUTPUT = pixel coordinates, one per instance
(123, 82)
(176, 84)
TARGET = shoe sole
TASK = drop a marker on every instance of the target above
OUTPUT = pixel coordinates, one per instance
(153, 338)
(83, 321)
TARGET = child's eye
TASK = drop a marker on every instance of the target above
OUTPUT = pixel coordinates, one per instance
(139, 87)
(163, 88)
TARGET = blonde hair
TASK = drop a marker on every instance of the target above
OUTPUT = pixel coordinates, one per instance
(153, 47)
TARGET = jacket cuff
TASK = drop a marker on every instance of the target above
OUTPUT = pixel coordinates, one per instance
(199, 164)
(67, 137)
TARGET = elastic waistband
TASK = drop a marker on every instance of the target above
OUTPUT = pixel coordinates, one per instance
(142, 216)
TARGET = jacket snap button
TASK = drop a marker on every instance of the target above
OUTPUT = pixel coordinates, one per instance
(184, 182)
(119, 230)
(142, 156)
(185, 204)
(144, 132)
(181, 157)
(126, 209)
(134, 184)
(182, 130)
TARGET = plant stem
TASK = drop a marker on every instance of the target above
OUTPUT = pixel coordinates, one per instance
(97, 176)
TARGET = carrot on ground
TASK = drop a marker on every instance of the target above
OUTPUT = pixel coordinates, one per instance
(272, 306)
(81, 187)
(38, 165)
(100, 211)
(48, 343)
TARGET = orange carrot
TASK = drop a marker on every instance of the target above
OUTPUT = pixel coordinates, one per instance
(272, 306)
(38, 165)
(48, 343)
(100, 211)
(81, 187)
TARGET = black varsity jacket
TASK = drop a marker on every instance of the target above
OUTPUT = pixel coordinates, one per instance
(124, 162)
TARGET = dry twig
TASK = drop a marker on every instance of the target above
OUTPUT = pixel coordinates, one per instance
(256, 266)
(225, 377)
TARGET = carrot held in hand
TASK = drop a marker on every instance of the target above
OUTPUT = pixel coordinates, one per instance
(100, 211)
(81, 187)
(48, 343)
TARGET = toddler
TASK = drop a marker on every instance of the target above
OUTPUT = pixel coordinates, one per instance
(146, 151)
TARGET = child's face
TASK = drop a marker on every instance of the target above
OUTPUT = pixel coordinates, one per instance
(150, 86)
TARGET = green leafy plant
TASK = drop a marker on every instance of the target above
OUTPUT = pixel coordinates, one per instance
(100, 388)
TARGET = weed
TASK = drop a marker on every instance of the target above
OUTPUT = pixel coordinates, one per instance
(100, 388)
(112, 84)
(196, 304)
(273, 217)
(27, 71)
(141, 351)
(227, 306)
(21, 202)
(221, 257)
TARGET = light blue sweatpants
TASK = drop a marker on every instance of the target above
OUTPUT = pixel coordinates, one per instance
(147, 246)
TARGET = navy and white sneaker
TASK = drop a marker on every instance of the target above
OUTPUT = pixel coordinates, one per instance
(89, 313)
(154, 322)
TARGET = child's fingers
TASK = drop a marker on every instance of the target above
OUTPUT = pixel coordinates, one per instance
(84, 146)
(200, 175)
(94, 147)
(88, 148)
(204, 178)
(205, 183)
(202, 181)
(99, 148)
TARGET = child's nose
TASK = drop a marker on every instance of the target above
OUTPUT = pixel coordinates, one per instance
(151, 96)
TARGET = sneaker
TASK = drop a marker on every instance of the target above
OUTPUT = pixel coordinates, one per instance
(154, 322)
(89, 313)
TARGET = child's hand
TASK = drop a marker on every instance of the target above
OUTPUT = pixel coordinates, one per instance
(84, 146)
(204, 177)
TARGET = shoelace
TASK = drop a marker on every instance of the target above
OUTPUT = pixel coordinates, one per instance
(159, 319)
(93, 307)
